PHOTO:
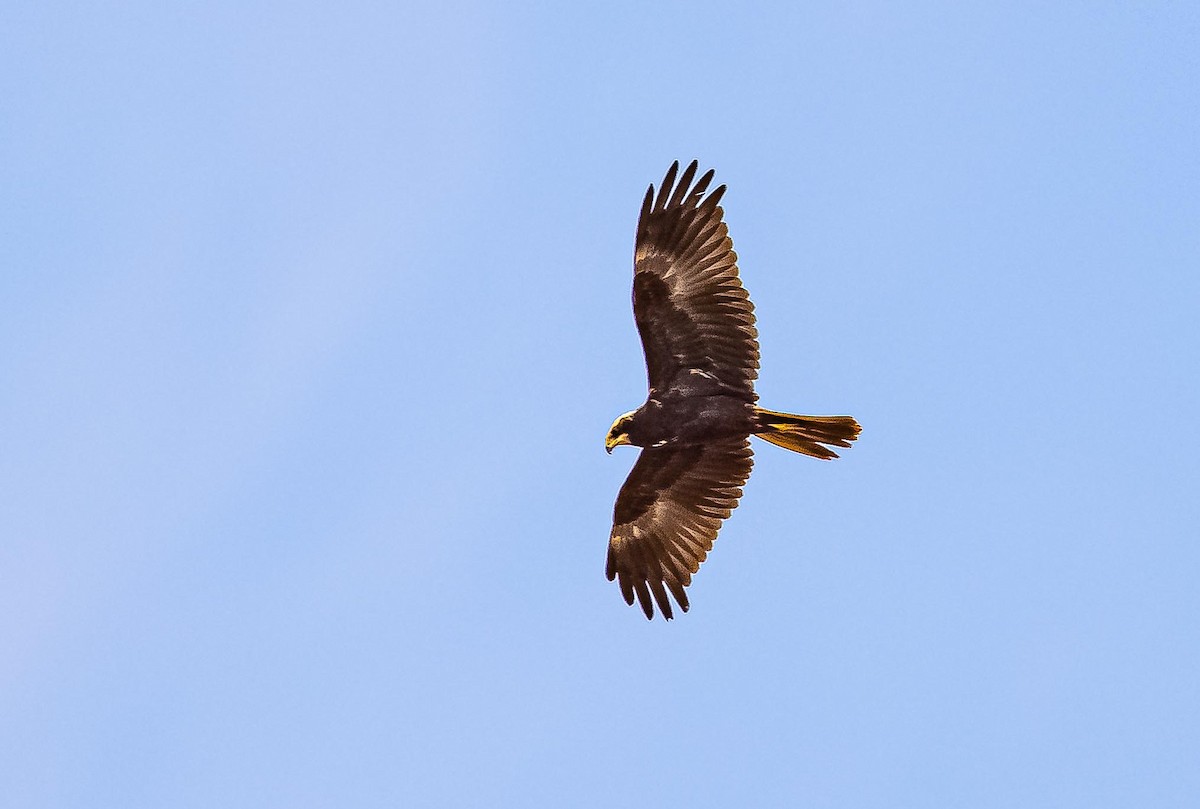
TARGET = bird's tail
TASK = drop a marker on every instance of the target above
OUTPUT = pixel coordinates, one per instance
(806, 434)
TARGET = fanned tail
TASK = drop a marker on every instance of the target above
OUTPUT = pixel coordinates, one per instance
(806, 434)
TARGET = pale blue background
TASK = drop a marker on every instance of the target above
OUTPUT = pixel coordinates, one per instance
(313, 319)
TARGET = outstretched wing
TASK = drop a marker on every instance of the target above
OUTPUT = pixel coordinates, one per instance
(691, 309)
(668, 514)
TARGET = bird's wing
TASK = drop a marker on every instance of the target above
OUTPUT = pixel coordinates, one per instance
(691, 309)
(668, 514)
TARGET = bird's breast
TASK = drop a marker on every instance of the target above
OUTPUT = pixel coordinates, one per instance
(674, 419)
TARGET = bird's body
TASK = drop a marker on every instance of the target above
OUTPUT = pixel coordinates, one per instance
(681, 417)
(697, 327)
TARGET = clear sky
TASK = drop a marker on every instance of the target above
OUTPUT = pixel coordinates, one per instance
(313, 318)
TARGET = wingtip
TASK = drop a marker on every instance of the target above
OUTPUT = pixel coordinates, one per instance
(668, 184)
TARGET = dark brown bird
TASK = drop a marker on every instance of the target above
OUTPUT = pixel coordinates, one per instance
(697, 327)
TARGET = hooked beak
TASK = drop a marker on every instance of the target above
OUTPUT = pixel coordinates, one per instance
(610, 442)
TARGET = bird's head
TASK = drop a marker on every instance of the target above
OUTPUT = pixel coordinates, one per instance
(617, 434)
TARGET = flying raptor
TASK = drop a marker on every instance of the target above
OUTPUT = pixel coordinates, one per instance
(697, 328)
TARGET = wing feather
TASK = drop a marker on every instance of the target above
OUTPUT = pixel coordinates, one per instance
(667, 517)
(691, 309)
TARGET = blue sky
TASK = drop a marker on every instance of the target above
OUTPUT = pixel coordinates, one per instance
(313, 319)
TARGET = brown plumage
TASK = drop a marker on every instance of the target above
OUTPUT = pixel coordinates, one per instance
(697, 328)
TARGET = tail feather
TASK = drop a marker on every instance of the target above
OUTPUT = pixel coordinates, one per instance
(806, 434)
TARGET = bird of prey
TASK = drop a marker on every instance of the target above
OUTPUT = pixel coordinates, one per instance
(697, 328)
